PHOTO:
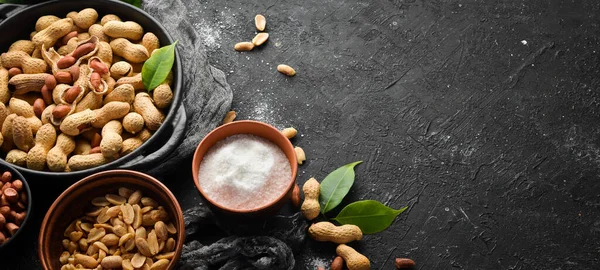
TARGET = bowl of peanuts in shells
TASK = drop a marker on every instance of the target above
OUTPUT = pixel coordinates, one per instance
(72, 99)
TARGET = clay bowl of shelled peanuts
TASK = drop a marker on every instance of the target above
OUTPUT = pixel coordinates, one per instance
(15, 204)
(72, 101)
(114, 219)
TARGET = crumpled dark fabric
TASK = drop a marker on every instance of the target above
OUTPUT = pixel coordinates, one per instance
(207, 96)
(257, 252)
(267, 244)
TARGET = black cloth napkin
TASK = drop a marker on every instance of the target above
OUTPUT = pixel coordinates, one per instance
(264, 245)
(207, 95)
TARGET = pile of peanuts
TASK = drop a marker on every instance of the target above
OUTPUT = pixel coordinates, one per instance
(13, 205)
(72, 97)
(124, 231)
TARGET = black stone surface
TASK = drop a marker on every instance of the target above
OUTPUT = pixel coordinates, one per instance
(482, 116)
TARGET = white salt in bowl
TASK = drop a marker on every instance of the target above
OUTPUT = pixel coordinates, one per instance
(263, 131)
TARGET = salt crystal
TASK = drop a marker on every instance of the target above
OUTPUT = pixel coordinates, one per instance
(244, 172)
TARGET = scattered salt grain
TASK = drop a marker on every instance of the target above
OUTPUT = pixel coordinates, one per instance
(244, 172)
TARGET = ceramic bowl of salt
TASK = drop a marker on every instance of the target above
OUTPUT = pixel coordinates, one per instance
(245, 169)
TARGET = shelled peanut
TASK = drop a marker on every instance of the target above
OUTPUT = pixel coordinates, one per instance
(13, 205)
(74, 76)
(121, 231)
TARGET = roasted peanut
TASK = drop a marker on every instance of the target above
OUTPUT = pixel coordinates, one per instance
(57, 156)
(135, 81)
(243, 46)
(22, 108)
(22, 45)
(16, 157)
(97, 31)
(50, 82)
(327, 231)
(133, 122)
(354, 260)
(109, 17)
(111, 262)
(13, 71)
(75, 123)
(75, 71)
(144, 106)
(97, 66)
(90, 101)
(45, 21)
(44, 141)
(65, 62)
(82, 147)
(4, 92)
(162, 95)
(111, 138)
(25, 83)
(63, 77)
(134, 53)
(129, 30)
(85, 261)
(129, 145)
(121, 69)
(71, 94)
(85, 18)
(61, 111)
(96, 82)
(296, 196)
(229, 117)
(123, 93)
(49, 35)
(300, 156)
(260, 39)
(260, 22)
(404, 263)
(337, 264)
(286, 70)
(110, 111)
(310, 207)
(24, 61)
(38, 107)
(22, 134)
(151, 42)
(289, 132)
(7, 133)
(69, 36)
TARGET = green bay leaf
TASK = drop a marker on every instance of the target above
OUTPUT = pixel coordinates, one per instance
(335, 186)
(157, 67)
(137, 3)
(369, 215)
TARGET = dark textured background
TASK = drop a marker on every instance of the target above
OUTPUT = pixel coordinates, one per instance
(493, 143)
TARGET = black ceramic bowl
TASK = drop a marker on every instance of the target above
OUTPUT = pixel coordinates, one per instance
(21, 23)
(17, 175)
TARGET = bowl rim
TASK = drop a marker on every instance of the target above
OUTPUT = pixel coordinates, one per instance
(14, 173)
(197, 159)
(97, 177)
(169, 116)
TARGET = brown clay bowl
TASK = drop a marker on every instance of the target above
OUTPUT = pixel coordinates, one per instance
(255, 128)
(72, 203)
